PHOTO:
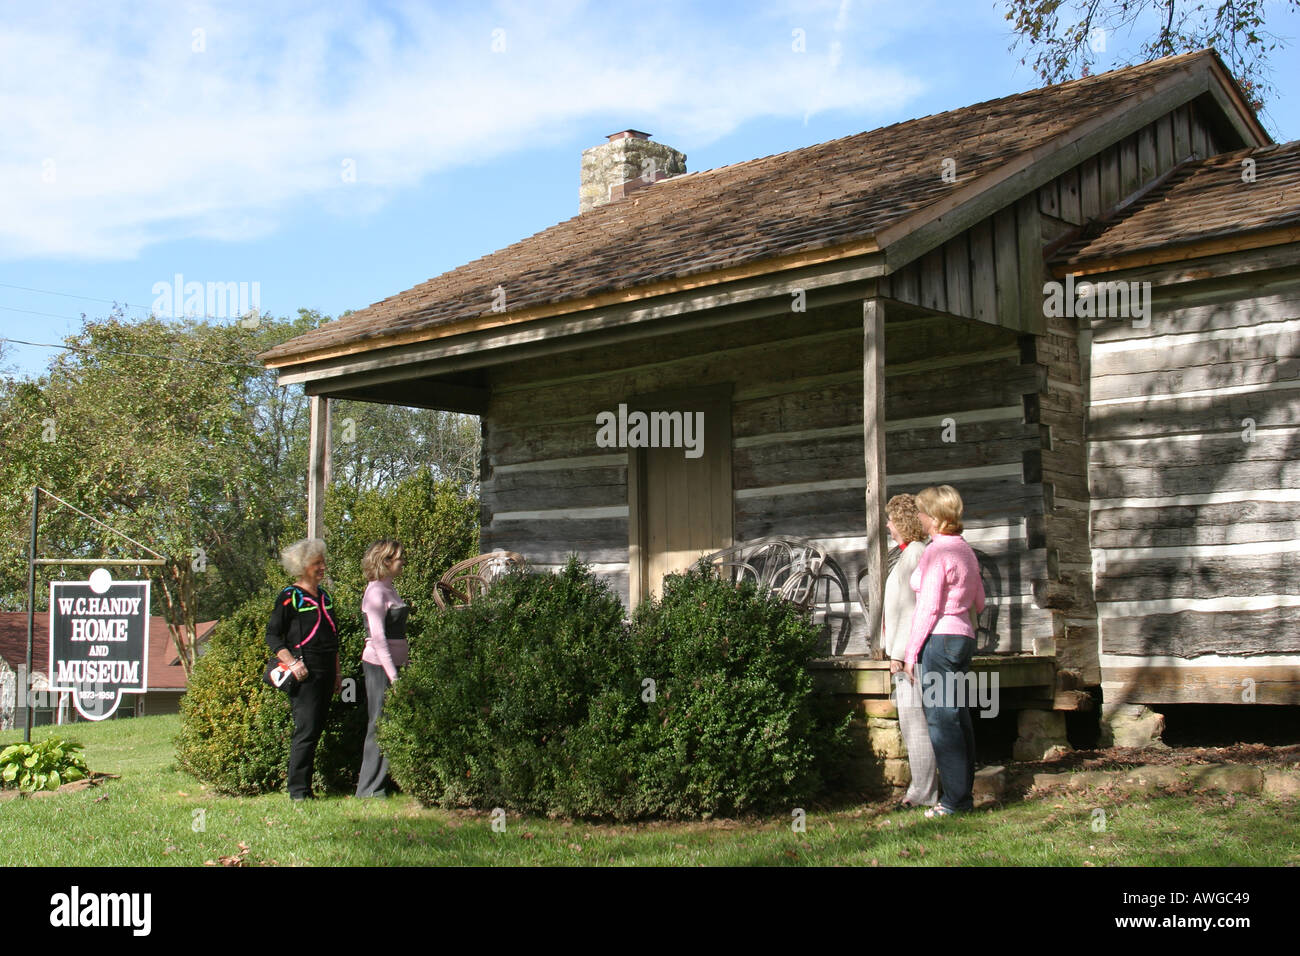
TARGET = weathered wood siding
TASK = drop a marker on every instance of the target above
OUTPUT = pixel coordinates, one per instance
(1099, 184)
(1194, 457)
(991, 272)
(955, 399)
(994, 272)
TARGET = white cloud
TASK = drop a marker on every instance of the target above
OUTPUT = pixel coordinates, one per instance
(117, 134)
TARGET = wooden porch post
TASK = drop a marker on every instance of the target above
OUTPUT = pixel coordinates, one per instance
(873, 445)
(317, 466)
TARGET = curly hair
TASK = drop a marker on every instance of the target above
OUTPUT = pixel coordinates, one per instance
(902, 512)
(297, 556)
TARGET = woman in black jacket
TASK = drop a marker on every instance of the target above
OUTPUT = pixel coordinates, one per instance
(302, 634)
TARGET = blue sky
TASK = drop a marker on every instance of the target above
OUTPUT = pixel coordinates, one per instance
(335, 156)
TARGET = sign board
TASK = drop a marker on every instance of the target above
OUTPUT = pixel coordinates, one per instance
(99, 641)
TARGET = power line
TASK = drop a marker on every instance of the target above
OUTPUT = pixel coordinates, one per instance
(77, 318)
(162, 358)
(69, 295)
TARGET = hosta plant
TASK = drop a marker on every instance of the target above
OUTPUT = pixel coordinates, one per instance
(47, 765)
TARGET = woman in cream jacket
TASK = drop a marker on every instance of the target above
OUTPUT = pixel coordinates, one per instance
(900, 600)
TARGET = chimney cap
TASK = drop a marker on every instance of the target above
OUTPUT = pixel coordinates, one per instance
(627, 134)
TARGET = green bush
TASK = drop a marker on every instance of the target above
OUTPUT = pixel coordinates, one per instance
(435, 523)
(735, 725)
(46, 765)
(486, 713)
(536, 698)
(235, 730)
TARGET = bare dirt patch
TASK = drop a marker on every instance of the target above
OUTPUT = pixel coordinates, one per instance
(1125, 758)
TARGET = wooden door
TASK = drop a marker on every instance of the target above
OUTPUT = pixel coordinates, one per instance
(680, 507)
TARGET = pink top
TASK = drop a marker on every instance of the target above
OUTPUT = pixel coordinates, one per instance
(947, 585)
(390, 655)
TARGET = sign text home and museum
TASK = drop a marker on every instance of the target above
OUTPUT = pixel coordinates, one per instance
(97, 643)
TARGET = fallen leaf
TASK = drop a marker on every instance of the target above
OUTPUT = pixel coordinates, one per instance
(903, 853)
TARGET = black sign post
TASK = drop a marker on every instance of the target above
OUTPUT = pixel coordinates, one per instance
(99, 641)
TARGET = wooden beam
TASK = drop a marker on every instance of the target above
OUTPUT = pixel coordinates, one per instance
(1171, 684)
(764, 271)
(1240, 116)
(873, 435)
(1179, 252)
(317, 464)
(415, 393)
(823, 287)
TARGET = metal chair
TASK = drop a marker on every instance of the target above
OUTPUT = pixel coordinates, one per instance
(473, 577)
(784, 567)
(794, 570)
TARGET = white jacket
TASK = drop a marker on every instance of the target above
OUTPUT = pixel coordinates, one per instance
(900, 602)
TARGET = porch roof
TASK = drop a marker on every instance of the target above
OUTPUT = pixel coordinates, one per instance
(848, 197)
(1251, 195)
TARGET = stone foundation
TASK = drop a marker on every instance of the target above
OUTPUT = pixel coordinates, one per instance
(1132, 725)
(1042, 735)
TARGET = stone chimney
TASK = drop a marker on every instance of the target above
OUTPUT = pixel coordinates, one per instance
(626, 163)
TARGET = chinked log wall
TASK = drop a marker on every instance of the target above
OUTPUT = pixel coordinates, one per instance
(1195, 462)
(797, 457)
(994, 272)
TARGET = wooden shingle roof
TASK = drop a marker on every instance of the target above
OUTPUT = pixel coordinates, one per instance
(843, 192)
(1232, 194)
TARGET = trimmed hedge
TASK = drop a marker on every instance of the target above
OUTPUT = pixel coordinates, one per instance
(485, 715)
(537, 698)
(734, 726)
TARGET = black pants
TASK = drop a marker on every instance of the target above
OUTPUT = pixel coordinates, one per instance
(374, 765)
(310, 702)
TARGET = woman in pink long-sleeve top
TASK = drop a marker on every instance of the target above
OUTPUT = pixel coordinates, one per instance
(948, 587)
(385, 652)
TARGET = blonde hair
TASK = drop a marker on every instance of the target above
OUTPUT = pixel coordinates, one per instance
(375, 564)
(943, 504)
(902, 511)
(297, 556)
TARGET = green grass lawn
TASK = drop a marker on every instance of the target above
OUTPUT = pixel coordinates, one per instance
(149, 817)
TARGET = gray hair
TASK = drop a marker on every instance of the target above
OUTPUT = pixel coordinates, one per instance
(298, 555)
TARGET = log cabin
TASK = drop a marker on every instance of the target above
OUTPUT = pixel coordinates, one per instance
(896, 309)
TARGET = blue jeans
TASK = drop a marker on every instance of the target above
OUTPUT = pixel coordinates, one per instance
(949, 724)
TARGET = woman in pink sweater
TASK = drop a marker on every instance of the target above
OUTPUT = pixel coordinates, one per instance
(948, 587)
(385, 652)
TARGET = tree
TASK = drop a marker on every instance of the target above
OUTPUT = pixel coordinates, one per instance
(381, 445)
(157, 429)
(174, 434)
(1065, 44)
